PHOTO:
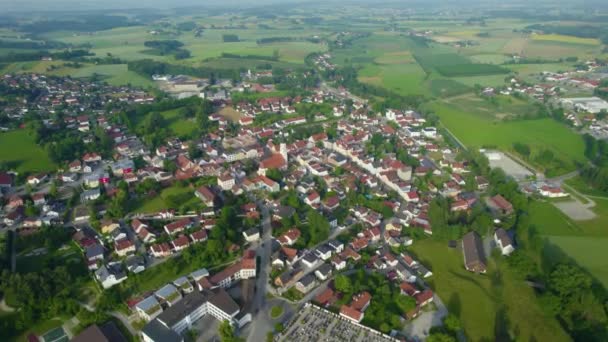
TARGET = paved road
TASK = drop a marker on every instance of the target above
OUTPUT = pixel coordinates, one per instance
(262, 324)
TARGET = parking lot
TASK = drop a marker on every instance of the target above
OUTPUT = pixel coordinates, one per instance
(313, 324)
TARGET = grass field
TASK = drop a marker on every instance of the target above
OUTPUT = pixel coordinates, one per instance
(584, 241)
(158, 203)
(475, 130)
(23, 155)
(178, 125)
(491, 294)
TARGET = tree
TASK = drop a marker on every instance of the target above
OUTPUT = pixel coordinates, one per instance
(226, 332)
(343, 284)
(440, 337)
(452, 323)
(405, 303)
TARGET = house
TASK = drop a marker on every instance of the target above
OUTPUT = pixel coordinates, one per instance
(310, 260)
(408, 289)
(36, 179)
(94, 252)
(474, 258)
(178, 226)
(325, 297)
(135, 264)
(290, 237)
(252, 234)
(160, 250)
(107, 332)
(108, 226)
(500, 205)
(146, 236)
(503, 241)
(110, 275)
(124, 247)
(39, 199)
(168, 294)
(351, 314)
(323, 272)
(552, 191)
(180, 243)
(361, 301)
(148, 308)
(338, 263)
(336, 245)
(206, 195)
(226, 181)
(324, 252)
(288, 277)
(90, 195)
(199, 236)
(423, 298)
(306, 283)
(183, 284)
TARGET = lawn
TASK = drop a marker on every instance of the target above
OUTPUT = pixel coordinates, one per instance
(581, 186)
(23, 155)
(159, 202)
(177, 124)
(34, 263)
(588, 252)
(479, 300)
(276, 312)
(475, 130)
(584, 241)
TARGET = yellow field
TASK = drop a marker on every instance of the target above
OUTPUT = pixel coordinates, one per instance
(566, 39)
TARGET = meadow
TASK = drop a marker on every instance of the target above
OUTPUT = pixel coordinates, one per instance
(501, 301)
(160, 202)
(480, 129)
(24, 154)
(583, 241)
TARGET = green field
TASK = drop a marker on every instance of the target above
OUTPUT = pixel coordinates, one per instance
(491, 294)
(583, 241)
(23, 155)
(178, 125)
(159, 202)
(480, 129)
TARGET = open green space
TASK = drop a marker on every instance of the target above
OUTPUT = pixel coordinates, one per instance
(583, 241)
(501, 301)
(479, 129)
(164, 201)
(276, 312)
(69, 255)
(177, 124)
(23, 155)
(581, 186)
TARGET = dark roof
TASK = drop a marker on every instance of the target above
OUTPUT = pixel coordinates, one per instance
(473, 251)
(325, 269)
(156, 331)
(107, 332)
(183, 308)
(504, 237)
(307, 280)
(223, 301)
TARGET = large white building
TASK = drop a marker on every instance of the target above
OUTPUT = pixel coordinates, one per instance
(180, 317)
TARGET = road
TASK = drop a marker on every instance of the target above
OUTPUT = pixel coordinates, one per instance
(261, 323)
(325, 87)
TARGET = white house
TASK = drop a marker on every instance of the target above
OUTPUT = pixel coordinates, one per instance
(503, 241)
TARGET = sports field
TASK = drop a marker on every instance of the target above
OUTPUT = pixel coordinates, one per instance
(23, 155)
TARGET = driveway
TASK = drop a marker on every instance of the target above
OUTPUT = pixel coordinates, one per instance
(419, 328)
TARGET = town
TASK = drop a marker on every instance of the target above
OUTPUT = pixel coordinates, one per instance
(372, 173)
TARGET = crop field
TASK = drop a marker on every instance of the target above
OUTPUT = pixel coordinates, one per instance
(128, 43)
(566, 39)
(490, 293)
(23, 154)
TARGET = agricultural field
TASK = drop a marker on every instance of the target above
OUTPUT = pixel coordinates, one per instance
(24, 155)
(502, 302)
